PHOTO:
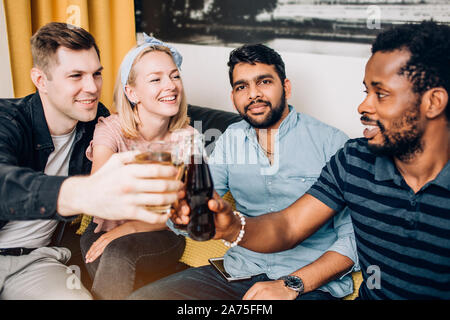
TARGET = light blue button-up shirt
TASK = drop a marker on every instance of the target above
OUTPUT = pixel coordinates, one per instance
(238, 164)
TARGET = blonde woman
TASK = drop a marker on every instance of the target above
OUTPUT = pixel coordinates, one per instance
(151, 106)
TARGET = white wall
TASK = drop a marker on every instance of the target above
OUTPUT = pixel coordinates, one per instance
(328, 87)
(6, 87)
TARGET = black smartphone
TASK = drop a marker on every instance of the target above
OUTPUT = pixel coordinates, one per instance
(217, 263)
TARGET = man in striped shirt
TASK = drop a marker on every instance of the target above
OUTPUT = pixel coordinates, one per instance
(395, 180)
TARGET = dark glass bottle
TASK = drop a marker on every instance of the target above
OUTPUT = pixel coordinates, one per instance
(199, 189)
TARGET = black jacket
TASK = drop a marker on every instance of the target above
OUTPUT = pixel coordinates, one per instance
(26, 193)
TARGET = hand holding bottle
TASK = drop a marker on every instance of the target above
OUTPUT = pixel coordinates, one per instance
(227, 225)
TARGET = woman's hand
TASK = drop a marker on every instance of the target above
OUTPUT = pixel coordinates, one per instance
(100, 244)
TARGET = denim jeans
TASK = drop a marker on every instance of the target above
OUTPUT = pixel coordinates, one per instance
(205, 283)
(114, 272)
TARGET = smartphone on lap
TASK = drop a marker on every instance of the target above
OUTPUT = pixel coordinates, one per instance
(217, 263)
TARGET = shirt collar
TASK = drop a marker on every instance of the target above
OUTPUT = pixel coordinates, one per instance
(41, 133)
(443, 178)
(385, 170)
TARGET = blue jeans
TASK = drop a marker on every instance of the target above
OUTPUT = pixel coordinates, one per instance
(114, 272)
(205, 283)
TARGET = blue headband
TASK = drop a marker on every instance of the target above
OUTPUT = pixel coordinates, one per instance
(125, 67)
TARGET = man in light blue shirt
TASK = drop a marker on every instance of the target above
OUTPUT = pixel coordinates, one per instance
(267, 161)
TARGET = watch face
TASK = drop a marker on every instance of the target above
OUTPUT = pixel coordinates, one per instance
(293, 282)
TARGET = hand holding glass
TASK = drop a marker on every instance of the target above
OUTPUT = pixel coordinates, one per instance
(164, 153)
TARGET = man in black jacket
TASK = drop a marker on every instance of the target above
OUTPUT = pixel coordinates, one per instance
(43, 138)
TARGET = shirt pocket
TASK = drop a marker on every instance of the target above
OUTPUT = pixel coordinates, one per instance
(306, 179)
(295, 185)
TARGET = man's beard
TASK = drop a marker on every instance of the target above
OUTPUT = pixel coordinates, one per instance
(404, 139)
(272, 117)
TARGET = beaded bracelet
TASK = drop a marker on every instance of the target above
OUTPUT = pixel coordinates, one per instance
(241, 232)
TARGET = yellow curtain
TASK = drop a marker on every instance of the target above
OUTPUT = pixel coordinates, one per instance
(111, 22)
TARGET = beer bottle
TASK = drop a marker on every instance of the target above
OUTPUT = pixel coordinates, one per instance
(199, 189)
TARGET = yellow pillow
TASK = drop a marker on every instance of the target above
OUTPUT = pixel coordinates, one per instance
(85, 220)
(357, 280)
(197, 253)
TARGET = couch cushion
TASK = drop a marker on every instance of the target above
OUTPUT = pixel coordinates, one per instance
(213, 122)
(212, 118)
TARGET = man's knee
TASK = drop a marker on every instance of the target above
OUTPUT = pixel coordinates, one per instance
(40, 293)
(73, 294)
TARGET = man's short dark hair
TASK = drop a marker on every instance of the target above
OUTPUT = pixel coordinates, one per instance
(253, 53)
(429, 45)
(47, 40)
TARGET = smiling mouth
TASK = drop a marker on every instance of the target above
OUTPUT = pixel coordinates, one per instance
(168, 99)
(370, 127)
(370, 130)
(86, 101)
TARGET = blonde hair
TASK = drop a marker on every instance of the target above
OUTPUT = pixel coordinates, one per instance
(128, 114)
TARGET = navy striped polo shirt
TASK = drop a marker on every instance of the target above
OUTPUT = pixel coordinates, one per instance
(403, 238)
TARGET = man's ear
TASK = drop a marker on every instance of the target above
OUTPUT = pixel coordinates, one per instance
(434, 102)
(39, 79)
(287, 88)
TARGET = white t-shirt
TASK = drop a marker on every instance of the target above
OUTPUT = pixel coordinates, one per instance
(38, 233)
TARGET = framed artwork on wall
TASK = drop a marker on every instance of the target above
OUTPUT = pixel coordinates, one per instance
(280, 23)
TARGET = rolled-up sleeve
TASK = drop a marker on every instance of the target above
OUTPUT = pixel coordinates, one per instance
(329, 189)
(345, 243)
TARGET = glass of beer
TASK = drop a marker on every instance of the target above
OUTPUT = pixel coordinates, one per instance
(164, 153)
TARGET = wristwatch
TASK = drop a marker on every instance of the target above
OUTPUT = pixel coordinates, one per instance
(293, 282)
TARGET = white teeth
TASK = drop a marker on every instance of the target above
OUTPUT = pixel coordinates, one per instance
(370, 127)
(167, 99)
(86, 101)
